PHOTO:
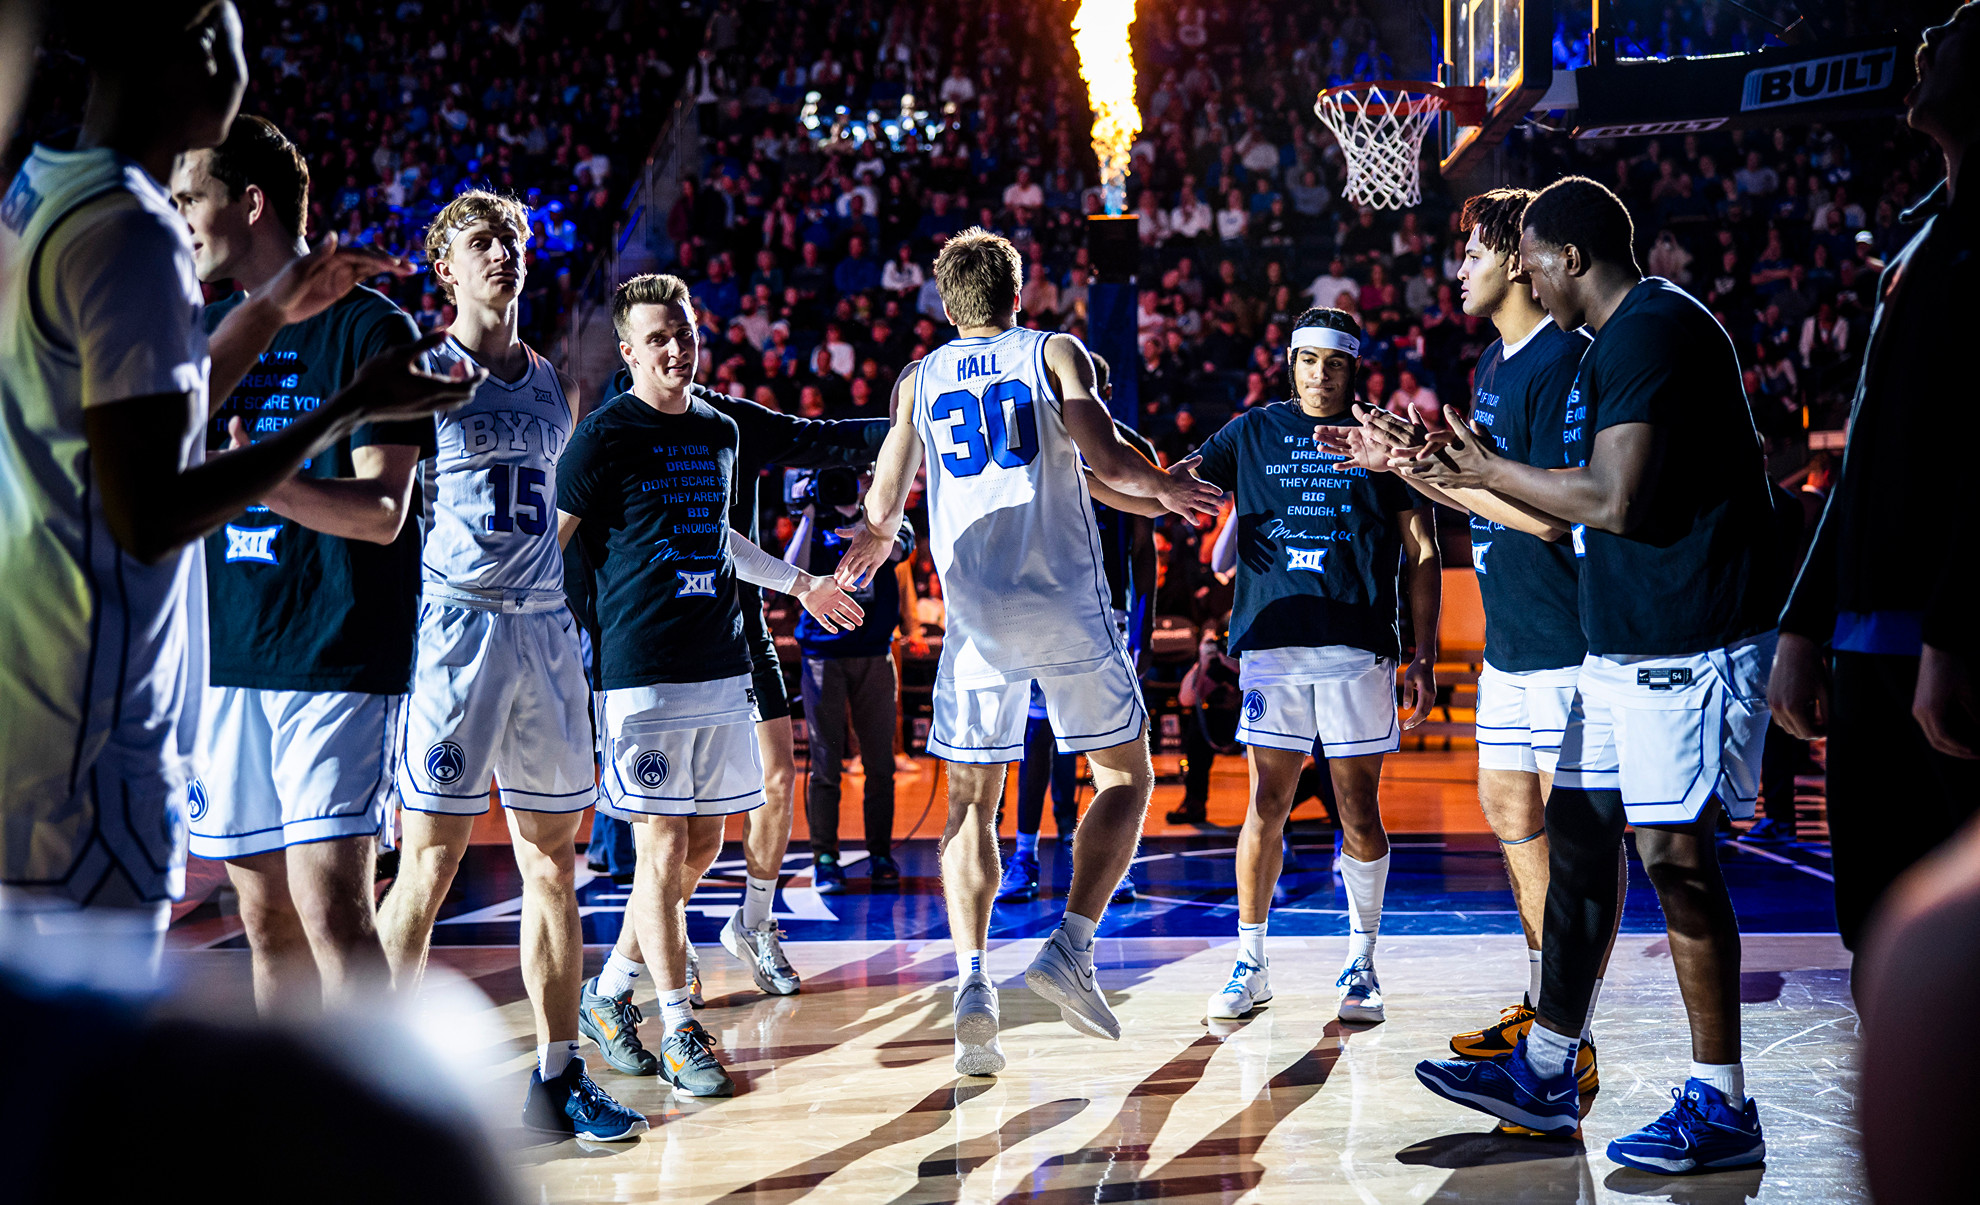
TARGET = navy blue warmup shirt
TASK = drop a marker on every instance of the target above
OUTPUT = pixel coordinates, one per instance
(653, 492)
(294, 609)
(1319, 541)
(1703, 568)
(1529, 585)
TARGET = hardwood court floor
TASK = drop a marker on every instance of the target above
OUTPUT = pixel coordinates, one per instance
(846, 1092)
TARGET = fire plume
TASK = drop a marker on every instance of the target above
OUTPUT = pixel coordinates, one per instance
(1106, 63)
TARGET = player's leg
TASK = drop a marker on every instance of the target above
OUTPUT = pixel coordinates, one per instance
(705, 837)
(657, 910)
(431, 846)
(284, 970)
(767, 830)
(562, 1098)
(1682, 862)
(1364, 870)
(825, 746)
(331, 882)
(969, 889)
(1020, 881)
(1260, 852)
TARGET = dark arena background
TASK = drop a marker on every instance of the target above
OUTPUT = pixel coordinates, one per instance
(1178, 199)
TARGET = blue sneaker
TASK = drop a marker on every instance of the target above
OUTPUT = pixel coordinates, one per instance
(1126, 892)
(1506, 1088)
(1020, 883)
(1769, 829)
(1701, 1132)
(574, 1106)
(827, 876)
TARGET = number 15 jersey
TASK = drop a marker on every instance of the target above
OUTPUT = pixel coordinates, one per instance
(1010, 520)
(491, 488)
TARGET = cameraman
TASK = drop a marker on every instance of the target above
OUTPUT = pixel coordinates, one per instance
(1210, 694)
(848, 669)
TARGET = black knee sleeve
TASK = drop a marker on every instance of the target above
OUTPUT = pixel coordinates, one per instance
(1584, 830)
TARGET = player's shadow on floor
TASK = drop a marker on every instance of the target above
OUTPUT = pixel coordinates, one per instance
(1512, 1168)
(1712, 1188)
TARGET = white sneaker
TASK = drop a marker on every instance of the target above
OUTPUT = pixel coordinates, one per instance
(1247, 989)
(1061, 975)
(762, 952)
(1361, 993)
(977, 1051)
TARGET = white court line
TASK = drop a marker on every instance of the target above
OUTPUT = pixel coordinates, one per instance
(1783, 859)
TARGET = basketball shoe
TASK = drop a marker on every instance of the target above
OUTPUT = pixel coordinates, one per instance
(977, 1049)
(762, 952)
(1249, 987)
(573, 1105)
(1361, 992)
(613, 1023)
(1507, 1088)
(1701, 1131)
(1064, 976)
(687, 1061)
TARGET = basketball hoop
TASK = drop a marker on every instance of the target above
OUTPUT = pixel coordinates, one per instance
(1380, 125)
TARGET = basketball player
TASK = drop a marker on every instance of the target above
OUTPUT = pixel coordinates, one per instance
(1005, 415)
(647, 481)
(1319, 548)
(1668, 497)
(313, 594)
(768, 439)
(498, 689)
(1526, 580)
(104, 388)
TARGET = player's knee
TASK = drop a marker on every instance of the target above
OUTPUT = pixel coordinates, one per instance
(778, 779)
(271, 919)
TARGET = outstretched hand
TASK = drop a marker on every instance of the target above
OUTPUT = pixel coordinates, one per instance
(830, 605)
(1353, 444)
(392, 386)
(1186, 494)
(867, 548)
(1458, 459)
(318, 280)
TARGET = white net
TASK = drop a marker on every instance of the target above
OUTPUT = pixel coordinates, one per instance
(1380, 128)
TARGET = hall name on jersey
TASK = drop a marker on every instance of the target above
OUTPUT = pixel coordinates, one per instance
(509, 431)
(970, 367)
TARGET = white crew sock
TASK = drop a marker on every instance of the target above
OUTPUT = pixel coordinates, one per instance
(1251, 942)
(553, 1057)
(1027, 845)
(619, 975)
(1079, 930)
(757, 895)
(1550, 1054)
(674, 1008)
(1533, 980)
(1729, 1078)
(1365, 883)
(968, 962)
(1588, 1022)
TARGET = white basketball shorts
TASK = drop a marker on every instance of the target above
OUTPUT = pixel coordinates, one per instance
(1345, 698)
(984, 725)
(1521, 716)
(681, 749)
(501, 694)
(1671, 732)
(288, 767)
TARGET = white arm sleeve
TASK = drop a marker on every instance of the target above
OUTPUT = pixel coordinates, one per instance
(1223, 554)
(758, 567)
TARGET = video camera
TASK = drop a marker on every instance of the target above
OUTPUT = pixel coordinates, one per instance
(824, 489)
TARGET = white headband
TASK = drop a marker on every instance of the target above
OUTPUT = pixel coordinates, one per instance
(1326, 337)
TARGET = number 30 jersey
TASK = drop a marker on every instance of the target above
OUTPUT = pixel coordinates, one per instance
(491, 488)
(1010, 520)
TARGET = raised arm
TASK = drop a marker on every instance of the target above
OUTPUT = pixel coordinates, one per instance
(1113, 460)
(1610, 493)
(1384, 438)
(872, 535)
(827, 602)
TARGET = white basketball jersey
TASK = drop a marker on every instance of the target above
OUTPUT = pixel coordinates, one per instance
(1010, 520)
(102, 657)
(491, 489)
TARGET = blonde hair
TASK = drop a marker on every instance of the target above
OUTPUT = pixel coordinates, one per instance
(979, 275)
(651, 289)
(474, 205)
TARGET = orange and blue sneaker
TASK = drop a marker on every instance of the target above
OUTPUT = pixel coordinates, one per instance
(687, 1061)
(1497, 1038)
(613, 1023)
(1507, 1088)
(1702, 1131)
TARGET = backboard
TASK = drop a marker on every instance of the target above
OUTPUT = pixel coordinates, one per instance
(1505, 47)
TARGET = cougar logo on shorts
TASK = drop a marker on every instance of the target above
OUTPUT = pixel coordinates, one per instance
(1254, 706)
(1313, 560)
(251, 544)
(651, 768)
(445, 763)
(195, 800)
(697, 585)
(1478, 552)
